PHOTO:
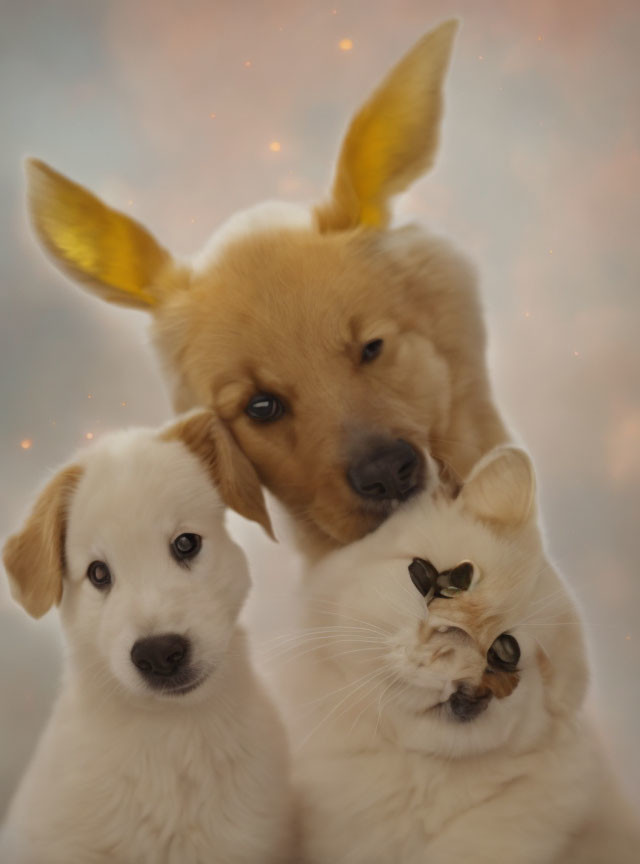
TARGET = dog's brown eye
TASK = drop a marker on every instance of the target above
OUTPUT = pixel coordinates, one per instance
(371, 350)
(186, 546)
(99, 574)
(265, 408)
(504, 653)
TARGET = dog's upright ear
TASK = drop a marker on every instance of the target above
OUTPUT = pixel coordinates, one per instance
(393, 139)
(34, 558)
(233, 475)
(501, 489)
(109, 253)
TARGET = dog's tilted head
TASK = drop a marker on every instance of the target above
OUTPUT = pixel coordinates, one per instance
(131, 542)
(464, 636)
(334, 347)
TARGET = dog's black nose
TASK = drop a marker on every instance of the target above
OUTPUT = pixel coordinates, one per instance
(160, 656)
(386, 471)
(468, 702)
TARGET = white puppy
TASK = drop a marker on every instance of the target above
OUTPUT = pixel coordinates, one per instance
(162, 747)
(438, 711)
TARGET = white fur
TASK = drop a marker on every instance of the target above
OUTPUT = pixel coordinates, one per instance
(384, 775)
(123, 773)
(265, 216)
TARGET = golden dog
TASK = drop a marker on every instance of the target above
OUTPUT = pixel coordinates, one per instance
(335, 347)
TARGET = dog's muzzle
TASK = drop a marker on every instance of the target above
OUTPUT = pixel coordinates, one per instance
(163, 661)
(387, 471)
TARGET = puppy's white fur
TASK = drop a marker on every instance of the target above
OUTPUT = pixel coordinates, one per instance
(125, 773)
(386, 772)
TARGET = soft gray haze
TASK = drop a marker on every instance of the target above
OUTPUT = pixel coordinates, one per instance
(168, 111)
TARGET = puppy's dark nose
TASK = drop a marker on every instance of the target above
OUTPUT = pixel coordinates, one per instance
(160, 656)
(386, 471)
(468, 702)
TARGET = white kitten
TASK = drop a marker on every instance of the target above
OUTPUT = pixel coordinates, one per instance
(453, 732)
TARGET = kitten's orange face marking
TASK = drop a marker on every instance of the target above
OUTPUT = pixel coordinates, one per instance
(475, 623)
(500, 682)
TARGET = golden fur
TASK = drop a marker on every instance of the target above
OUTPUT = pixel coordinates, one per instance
(286, 310)
(34, 558)
(229, 470)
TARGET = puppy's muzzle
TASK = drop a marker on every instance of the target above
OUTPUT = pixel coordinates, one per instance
(163, 661)
(387, 471)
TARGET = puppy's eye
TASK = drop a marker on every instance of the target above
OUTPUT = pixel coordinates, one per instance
(504, 653)
(265, 408)
(370, 350)
(186, 546)
(99, 574)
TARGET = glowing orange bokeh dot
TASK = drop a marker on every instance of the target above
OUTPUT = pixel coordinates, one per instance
(89, 436)
(345, 44)
(275, 147)
(26, 443)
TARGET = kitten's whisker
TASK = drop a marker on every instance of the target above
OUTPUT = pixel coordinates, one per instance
(324, 696)
(283, 638)
(368, 705)
(340, 614)
(310, 650)
(318, 642)
(363, 683)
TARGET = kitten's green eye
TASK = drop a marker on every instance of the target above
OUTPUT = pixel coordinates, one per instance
(504, 653)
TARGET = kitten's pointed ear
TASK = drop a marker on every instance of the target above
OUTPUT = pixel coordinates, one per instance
(110, 254)
(34, 558)
(501, 488)
(231, 472)
(393, 139)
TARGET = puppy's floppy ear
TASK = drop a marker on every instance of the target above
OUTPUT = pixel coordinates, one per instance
(111, 254)
(393, 139)
(34, 558)
(230, 470)
(501, 488)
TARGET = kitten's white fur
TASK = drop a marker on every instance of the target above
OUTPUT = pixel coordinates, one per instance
(383, 774)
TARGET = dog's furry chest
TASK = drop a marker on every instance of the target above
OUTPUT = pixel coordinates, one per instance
(181, 800)
(182, 792)
(173, 791)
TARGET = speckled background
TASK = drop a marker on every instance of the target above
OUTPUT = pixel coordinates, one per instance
(169, 111)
